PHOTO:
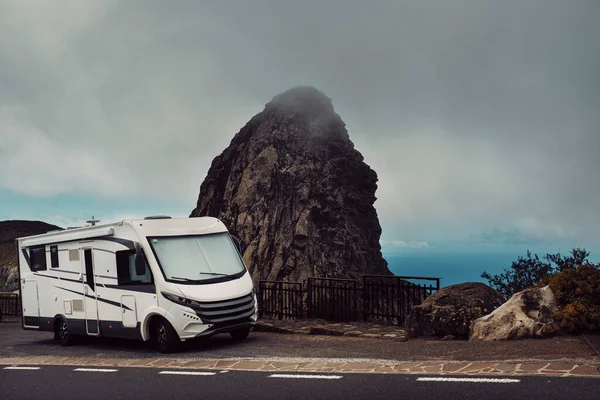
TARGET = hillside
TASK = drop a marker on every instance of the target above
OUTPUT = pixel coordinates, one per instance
(9, 231)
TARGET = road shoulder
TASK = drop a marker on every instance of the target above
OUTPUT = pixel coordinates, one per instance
(456, 368)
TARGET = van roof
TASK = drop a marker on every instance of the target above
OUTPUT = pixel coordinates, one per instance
(146, 227)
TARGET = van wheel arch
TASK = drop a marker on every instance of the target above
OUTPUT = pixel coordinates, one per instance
(148, 326)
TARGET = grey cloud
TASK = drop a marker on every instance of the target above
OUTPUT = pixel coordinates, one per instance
(475, 114)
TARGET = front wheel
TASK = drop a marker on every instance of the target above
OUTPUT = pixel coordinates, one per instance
(167, 340)
(240, 334)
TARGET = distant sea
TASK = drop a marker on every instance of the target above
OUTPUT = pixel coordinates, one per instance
(453, 268)
(450, 268)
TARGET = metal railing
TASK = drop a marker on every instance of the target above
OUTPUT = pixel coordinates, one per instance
(282, 300)
(390, 299)
(387, 299)
(332, 299)
(10, 305)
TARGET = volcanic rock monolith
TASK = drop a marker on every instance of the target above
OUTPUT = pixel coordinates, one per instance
(297, 193)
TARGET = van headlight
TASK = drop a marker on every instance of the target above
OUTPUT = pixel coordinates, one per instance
(177, 299)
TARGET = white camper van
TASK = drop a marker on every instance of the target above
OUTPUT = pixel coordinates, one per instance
(159, 279)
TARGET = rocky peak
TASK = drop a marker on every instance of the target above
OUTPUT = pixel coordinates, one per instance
(297, 193)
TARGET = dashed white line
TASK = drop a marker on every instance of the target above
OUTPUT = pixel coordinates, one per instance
(187, 373)
(294, 376)
(25, 368)
(94, 370)
(475, 380)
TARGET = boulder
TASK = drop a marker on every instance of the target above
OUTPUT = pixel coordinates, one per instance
(451, 309)
(295, 191)
(527, 314)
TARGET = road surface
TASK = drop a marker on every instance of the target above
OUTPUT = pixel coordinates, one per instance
(54, 382)
(19, 343)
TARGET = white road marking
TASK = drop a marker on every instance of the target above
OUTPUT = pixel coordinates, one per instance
(476, 380)
(187, 373)
(27, 368)
(95, 370)
(292, 376)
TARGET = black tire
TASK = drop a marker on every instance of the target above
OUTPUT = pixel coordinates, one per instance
(240, 334)
(165, 337)
(62, 333)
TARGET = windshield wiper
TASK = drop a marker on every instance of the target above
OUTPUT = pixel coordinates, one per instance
(197, 280)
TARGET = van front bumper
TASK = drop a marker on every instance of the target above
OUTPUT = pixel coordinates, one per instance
(227, 327)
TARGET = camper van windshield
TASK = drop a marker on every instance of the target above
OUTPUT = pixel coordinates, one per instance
(197, 258)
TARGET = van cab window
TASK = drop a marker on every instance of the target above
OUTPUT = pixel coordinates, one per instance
(126, 273)
(198, 258)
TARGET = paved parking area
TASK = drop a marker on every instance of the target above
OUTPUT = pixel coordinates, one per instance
(561, 356)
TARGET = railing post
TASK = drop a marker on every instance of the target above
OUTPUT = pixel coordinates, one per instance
(364, 298)
(259, 299)
(309, 299)
(280, 298)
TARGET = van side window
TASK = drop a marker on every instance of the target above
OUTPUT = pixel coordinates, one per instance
(37, 254)
(126, 269)
(54, 256)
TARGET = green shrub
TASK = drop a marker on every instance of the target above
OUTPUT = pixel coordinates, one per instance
(528, 271)
(524, 273)
(577, 292)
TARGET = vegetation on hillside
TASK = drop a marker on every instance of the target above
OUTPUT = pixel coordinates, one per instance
(573, 279)
(577, 292)
(528, 271)
(9, 231)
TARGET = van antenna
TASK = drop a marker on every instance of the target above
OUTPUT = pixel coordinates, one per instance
(93, 221)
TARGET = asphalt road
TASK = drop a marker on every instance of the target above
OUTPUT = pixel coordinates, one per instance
(149, 383)
(16, 342)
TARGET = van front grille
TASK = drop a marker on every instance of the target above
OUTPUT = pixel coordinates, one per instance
(217, 312)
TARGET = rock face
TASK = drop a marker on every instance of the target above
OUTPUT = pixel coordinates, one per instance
(451, 309)
(529, 313)
(9, 277)
(297, 193)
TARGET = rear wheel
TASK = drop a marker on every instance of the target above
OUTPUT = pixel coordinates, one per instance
(240, 334)
(165, 337)
(62, 334)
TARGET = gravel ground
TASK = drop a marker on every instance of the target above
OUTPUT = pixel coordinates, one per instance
(19, 343)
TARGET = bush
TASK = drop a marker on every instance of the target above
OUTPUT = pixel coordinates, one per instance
(528, 271)
(577, 292)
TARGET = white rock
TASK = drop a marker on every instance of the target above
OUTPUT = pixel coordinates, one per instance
(529, 313)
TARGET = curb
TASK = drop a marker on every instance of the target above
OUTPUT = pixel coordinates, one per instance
(327, 330)
(455, 368)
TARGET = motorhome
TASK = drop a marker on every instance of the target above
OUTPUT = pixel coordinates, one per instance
(158, 279)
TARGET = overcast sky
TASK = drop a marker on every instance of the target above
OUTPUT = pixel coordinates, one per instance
(481, 118)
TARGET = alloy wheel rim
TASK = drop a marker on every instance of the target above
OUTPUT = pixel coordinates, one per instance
(64, 334)
(162, 335)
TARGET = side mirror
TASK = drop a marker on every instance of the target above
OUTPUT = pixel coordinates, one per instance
(140, 261)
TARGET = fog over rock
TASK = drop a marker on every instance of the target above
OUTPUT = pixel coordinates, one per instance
(297, 193)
